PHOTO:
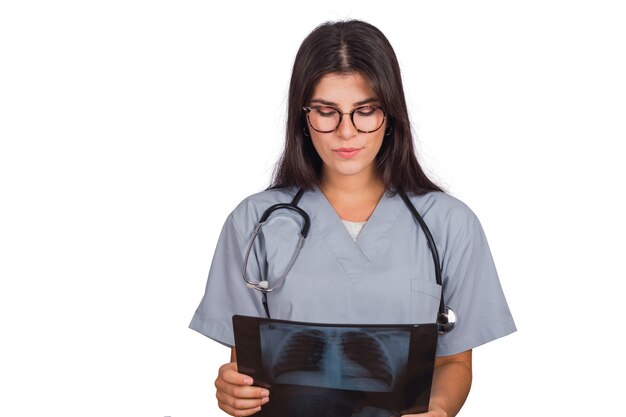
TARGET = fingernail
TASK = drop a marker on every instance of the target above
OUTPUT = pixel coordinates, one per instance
(265, 393)
(247, 381)
(265, 400)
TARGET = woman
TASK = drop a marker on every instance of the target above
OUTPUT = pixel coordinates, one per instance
(349, 148)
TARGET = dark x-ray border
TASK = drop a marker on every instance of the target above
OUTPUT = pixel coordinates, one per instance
(411, 392)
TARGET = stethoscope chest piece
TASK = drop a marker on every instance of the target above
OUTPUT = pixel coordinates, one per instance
(446, 320)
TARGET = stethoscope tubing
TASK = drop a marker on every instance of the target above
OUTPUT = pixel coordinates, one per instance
(431, 244)
(446, 319)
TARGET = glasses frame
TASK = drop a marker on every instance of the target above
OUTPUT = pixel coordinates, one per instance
(308, 109)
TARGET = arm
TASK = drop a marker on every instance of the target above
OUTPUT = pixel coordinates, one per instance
(234, 392)
(452, 379)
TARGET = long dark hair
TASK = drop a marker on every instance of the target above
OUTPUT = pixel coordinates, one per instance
(345, 47)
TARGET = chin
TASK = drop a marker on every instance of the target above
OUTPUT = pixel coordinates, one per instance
(348, 168)
(350, 171)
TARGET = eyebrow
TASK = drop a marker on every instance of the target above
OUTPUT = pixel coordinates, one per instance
(358, 103)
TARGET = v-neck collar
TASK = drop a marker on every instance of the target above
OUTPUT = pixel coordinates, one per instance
(354, 256)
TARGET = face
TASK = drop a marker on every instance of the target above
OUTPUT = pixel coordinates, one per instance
(346, 151)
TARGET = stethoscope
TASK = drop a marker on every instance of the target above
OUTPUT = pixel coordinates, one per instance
(446, 318)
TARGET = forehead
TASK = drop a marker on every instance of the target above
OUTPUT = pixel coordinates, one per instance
(343, 89)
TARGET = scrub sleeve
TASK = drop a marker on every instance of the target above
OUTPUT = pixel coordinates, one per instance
(472, 290)
(226, 293)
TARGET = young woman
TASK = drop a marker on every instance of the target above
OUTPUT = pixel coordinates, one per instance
(349, 150)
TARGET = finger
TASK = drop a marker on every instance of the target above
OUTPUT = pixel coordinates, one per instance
(430, 413)
(241, 391)
(240, 404)
(239, 413)
(230, 374)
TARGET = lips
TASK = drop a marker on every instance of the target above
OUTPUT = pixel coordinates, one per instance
(347, 153)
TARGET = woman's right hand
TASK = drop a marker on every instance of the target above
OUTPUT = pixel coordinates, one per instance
(235, 393)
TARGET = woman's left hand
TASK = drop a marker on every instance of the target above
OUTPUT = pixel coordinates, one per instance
(452, 379)
(433, 411)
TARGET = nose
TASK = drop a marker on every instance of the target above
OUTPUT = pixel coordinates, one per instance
(346, 128)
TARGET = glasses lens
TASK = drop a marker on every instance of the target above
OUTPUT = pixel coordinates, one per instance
(368, 119)
(324, 119)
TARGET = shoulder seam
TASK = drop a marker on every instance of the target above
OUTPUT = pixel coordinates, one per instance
(231, 218)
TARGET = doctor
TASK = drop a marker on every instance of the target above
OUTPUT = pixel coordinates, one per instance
(365, 260)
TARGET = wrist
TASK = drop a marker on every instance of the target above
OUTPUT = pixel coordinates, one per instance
(437, 411)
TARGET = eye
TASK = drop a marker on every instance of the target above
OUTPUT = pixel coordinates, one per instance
(326, 111)
(366, 110)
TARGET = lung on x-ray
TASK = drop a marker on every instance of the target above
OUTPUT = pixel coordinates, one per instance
(317, 369)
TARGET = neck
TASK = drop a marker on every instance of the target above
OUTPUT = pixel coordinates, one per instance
(354, 198)
(370, 183)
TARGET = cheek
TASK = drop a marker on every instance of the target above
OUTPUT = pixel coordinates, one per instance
(378, 143)
(319, 145)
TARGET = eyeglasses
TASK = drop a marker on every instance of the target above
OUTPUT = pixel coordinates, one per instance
(325, 119)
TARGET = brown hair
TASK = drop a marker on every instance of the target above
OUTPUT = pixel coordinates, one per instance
(344, 47)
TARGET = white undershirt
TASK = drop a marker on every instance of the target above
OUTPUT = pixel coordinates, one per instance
(354, 228)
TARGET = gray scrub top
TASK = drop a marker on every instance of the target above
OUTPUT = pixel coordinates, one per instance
(385, 277)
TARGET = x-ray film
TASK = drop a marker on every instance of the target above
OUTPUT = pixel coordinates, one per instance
(328, 370)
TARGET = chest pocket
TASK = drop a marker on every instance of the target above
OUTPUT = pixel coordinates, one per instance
(425, 298)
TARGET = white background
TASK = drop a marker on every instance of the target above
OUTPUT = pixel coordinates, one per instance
(130, 129)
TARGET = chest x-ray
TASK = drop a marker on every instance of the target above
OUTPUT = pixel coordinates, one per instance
(337, 370)
(343, 358)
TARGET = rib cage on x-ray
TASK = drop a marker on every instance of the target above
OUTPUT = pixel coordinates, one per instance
(304, 352)
(350, 358)
(366, 351)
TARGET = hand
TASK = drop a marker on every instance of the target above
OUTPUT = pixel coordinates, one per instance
(433, 411)
(235, 395)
